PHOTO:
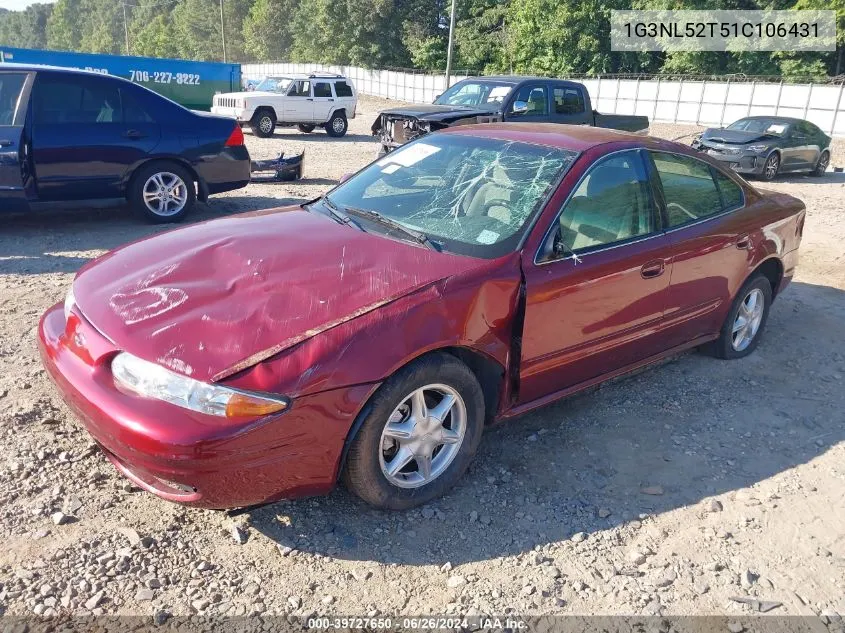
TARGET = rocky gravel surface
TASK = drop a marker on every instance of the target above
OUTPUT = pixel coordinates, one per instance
(696, 487)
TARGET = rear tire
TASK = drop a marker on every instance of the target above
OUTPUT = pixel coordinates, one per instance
(746, 319)
(305, 129)
(263, 123)
(337, 126)
(821, 166)
(162, 192)
(434, 380)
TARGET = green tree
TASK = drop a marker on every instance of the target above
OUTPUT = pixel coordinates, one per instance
(267, 29)
(63, 26)
(102, 28)
(27, 28)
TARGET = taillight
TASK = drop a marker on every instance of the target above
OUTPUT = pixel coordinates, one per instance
(236, 138)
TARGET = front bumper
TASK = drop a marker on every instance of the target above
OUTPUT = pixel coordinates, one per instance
(240, 114)
(741, 162)
(191, 458)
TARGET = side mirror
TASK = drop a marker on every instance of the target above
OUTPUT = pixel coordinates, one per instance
(344, 178)
(436, 97)
(519, 107)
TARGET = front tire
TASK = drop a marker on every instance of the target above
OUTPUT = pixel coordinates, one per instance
(771, 167)
(821, 166)
(420, 432)
(162, 192)
(744, 324)
(337, 125)
(263, 123)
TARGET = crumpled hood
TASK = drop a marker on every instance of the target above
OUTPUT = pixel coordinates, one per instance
(438, 112)
(214, 298)
(734, 137)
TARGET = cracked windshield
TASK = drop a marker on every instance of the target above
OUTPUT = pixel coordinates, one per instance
(475, 94)
(472, 195)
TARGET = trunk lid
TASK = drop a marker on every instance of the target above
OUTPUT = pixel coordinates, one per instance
(214, 298)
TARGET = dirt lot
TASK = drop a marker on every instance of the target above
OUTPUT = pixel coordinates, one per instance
(669, 492)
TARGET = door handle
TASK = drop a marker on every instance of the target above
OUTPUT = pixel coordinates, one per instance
(331, 99)
(133, 134)
(5, 142)
(309, 99)
(743, 242)
(652, 269)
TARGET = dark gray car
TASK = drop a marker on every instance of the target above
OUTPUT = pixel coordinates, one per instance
(765, 146)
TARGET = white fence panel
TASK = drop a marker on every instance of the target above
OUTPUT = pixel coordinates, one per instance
(707, 103)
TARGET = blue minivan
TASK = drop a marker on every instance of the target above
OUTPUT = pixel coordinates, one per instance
(71, 138)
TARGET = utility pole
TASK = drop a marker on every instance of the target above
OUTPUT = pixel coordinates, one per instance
(125, 27)
(451, 46)
(222, 31)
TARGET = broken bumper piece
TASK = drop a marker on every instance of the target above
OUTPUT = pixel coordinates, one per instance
(282, 168)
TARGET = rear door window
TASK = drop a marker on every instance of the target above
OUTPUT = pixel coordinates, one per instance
(133, 110)
(60, 99)
(689, 191)
(11, 85)
(568, 101)
(342, 89)
(322, 89)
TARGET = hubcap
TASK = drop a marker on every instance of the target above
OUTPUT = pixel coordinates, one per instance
(165, 193)
(772, 166)
(266, 124)
(422, 436)
(338, 125)
(748, 319)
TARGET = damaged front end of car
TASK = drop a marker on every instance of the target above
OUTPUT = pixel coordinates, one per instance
(394, 130)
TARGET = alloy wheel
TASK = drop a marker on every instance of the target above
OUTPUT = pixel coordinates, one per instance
(772, 165)
(165, 194)
(422, 436)
(338, 125)
(748, 320)
(824, 159)
(265, 124)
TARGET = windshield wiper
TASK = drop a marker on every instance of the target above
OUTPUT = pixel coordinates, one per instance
(417, 236)
(337, 214)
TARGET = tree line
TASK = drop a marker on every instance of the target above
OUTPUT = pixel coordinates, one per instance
(550, 37)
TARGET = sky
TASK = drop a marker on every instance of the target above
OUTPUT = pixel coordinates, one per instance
(17, 5)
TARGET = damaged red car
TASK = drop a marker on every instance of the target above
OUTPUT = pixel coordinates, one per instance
(370, 335)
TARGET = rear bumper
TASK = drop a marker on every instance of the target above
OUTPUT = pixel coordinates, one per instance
(229, 170)
(190, 458)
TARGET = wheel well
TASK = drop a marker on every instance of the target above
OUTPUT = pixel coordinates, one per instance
(489, 373)
(202, 193)
(338, 111)
(261, 109)
(771, 269)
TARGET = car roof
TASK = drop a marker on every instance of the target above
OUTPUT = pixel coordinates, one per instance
(515, 79)
(778, 119)
(315, 75)
(572, 137)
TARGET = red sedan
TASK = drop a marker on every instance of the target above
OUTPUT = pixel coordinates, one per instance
(370, 335)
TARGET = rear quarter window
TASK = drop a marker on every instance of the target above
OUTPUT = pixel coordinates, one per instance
(342, 89)
(730, 191)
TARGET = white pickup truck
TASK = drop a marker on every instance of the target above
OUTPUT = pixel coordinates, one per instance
(306, 101)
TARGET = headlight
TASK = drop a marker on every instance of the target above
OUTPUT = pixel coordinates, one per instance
(151, 380)
(758, 149)
(70, 301)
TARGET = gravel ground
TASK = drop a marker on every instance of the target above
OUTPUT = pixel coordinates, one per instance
(669, 492)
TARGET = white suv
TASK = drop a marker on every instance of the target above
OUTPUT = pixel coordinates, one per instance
(306, 101)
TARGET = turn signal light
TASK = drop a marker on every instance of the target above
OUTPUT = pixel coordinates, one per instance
(241, 405)
(236, 138)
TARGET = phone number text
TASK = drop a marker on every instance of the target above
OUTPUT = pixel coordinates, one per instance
(161, 77)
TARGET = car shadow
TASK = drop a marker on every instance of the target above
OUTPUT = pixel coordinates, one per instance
(829, 177)
(36, 243)
(318, 136)
(687, 430)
